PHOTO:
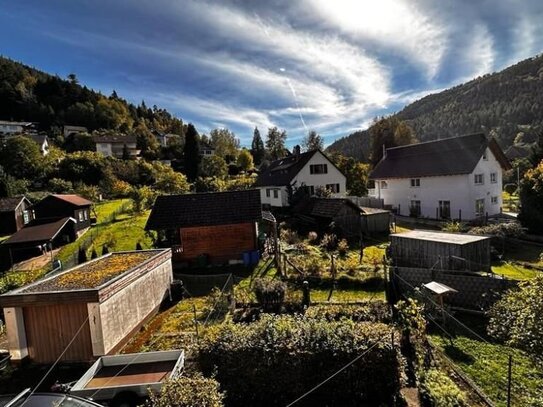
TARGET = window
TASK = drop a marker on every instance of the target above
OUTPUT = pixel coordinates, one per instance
(268, 193)
(415, 182)
(384, 185)
(80, 215)
(493, 177)
(485, 156)
(479, 179)
(26, 217)
(276, 193)
(479, 207)
(318, 169)
(445, 209)
(494, 200)
(414, 208)
(334, 188)
(86, 214)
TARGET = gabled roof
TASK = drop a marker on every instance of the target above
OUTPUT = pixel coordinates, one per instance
(10, 204)
(281, 172)
(451, 156)
(73, 199)
(37, 138)
(38, 233)
(324, 207)
(206, 209)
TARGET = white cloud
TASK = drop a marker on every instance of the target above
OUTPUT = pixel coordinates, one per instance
(391, 23)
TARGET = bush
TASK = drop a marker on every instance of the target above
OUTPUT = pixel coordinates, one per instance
(289, 236)
(342, 247)
(440, 391)
(312, 237)
(187, 392)
(500, 230)
(453, 227)
(373, 311)
(270, 293)
(59, 186)
(329, 242)
(278, 358)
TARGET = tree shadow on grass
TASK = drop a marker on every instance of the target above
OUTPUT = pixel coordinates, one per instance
(458, 355)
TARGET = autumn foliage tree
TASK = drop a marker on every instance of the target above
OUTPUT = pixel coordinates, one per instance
(531, 199)
(388, 132)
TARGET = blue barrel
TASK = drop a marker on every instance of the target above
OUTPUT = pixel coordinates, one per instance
(247, 258)
(255, 256)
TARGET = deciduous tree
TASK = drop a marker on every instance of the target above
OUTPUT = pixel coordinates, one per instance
(245, 160)
(313, 141)
(275, 143)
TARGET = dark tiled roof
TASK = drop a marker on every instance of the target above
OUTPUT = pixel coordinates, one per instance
(208, 209)
(73, 199)
(120, 139)
(38, 233)
(9, 204)
(516, 151)
(37, 138)
(451, 156)
(280, 172)
(324, 207)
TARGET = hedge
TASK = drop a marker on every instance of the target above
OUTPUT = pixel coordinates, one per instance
(275, 360)
(438, 390)
(371, 311)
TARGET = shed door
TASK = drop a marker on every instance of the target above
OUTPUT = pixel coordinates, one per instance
(50, 328)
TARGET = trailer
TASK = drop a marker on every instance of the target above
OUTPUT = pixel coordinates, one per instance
(124, 380)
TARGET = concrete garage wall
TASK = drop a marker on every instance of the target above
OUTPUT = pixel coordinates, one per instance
(127, 309)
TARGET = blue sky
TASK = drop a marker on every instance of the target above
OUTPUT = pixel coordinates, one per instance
(328, 65)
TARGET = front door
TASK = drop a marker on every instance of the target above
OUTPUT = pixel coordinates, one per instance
(445, 209)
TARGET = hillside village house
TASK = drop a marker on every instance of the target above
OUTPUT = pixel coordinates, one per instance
(458, 177)
(114, 146)
(68, 130)
(311, 170)
(41, 141)
(14, 214)
(8, 128)
(206, 149)
(55, 207)
(217, 226)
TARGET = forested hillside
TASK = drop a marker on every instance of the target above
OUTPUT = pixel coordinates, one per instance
(502, 104)
(27, 94)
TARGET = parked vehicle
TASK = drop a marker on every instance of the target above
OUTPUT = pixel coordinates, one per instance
(124, 380)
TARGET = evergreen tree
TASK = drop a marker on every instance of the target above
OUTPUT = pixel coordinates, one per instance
(81, 256)
(191, 153)
(275, 143)
(105, 250)
(94, 255)
(258, 150)
(313, 141)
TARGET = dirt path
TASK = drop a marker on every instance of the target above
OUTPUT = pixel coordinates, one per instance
(36, 262)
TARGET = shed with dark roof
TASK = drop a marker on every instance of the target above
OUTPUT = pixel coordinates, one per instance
(55, 207)
(220, 226)
(14, 214)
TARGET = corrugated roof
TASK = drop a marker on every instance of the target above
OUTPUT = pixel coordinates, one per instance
(451, 156)
(73, 199)
(206, 209)
(9, 204)
(39, 233)
(443, 237)
(280, 172)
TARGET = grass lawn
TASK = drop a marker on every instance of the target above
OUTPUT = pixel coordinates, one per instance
(346, 295)
(105, 209)
(487, 365)
(513, 271)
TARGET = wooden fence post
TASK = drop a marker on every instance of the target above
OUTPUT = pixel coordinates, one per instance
(509, 379)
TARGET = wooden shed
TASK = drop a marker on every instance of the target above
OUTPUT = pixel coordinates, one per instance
(375, 220)
(440, 250)
(98, 305)
(218, 226)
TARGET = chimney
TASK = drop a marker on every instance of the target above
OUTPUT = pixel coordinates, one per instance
(296, 150)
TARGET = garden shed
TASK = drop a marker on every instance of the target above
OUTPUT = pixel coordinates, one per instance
(98, 305)
(207, 227)
(375, 220)
(440, 250)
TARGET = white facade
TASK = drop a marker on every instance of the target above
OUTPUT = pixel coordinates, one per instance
(116, 149)
(330, 178)
(465, 198)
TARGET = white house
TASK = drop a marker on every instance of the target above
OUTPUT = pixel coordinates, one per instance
(311, 170)
(42, 142)
(8, 128)
(113, 146)
(453, 178)
(67, 130)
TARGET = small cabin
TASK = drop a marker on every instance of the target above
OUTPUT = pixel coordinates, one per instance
(95, 307)
(440, 250)
(217, 227)
(14, 214)
(55, 207)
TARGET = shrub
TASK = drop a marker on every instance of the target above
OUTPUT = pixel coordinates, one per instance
(278, 358)
(312, 237)
(453, 227)
(372, 311)
(270, 293)
(342, 247)
(187, 392)
(329, 242)
(440, 391)
(59, 186)
(500, 230)
(289, 236)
